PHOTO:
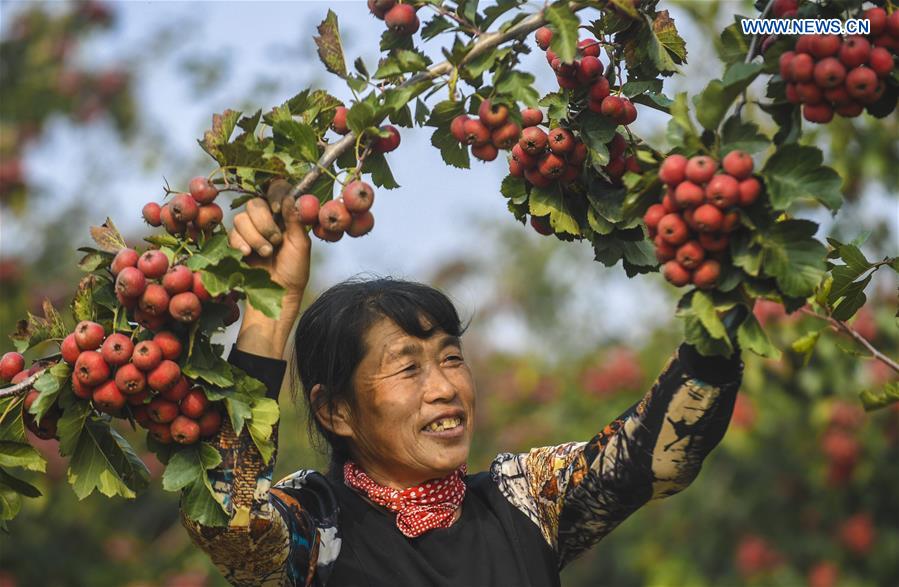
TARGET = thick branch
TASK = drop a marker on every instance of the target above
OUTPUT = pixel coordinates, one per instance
(21, 387)
(839, 325)
(486, 42)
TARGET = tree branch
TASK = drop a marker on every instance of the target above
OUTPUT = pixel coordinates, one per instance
(23, 386)
(485, 42)
(839, 325)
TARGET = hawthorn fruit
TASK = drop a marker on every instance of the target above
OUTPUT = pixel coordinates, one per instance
(185, 430)
(89, 335)
(124, 258)
(11, 364)
(334, 215)
(402, 20)
(153, 264)
(357, 196)
(130, 380)
(147, 355)
(202, 190)
(91, 369)
(185, 307)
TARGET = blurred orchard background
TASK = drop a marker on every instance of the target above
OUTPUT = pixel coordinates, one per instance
(102, 103)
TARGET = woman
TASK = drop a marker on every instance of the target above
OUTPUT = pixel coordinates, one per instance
(388, 388)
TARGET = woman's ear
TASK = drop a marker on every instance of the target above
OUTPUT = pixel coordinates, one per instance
(337, 421)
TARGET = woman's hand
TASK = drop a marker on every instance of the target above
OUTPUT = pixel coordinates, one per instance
(283, 251)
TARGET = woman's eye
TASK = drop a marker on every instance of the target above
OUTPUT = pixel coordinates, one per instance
(455, 358)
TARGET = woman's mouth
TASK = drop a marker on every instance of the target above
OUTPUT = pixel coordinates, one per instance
(445, 427)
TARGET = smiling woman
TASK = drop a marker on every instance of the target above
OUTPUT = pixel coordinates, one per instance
(387, 387)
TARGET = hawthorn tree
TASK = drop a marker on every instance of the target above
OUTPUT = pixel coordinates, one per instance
(715, 213)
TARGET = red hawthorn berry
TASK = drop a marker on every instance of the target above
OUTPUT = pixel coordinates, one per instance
(199, 288)
(708, 218)
(153, 264)
(628, 113)
(493, 115)
(824, 46)
(108, 398)
(485, 152)
(536, 178)
(738, 164)
(533, 141)
(706, 275)
(178, 279)
(185, 430)
(457, 127)
(855, 51)
(881, 61)
(857, 534)
(338, 123)
(673, 229)
(476, 133)
(124, 258)
(599, 91)
(818, 113)
(11, 365)
(784, 64)
(531, 117)
(829, 72)
(379, 8)
(809, 93)
(402, 20)
(750, 189)
(308, 207)
(877, 19)
(164, 376)
(861, 82)
(653, 214)
(194, 403)
(177, 392)
(589, 47)
(675, 274)
(850, 110)
(664, 251)
(544, 36)
(688, 195)
(730, 222)
(359, 226)
(505, 136)
(526, 160)
(91, 369)
(327, 235)
(541, 225)
(152, 214)
(130, 380)
(184, 208)
(673, 170)
(357, 196)
(210, 423)
(334, 215)
(79, 389)
(802, 67)
(147, 355)
(515, 168)
(69, 350)
(561, 140)
(782, 7)
(388, 143)
(617, 146)
(590, 68)
(117, 349)
(700, 168)
(690, 255)
(612, 106)
(551, 166)
(89, 335)
(578, 155)
(202, 190)
(723, 191)
(714, 242)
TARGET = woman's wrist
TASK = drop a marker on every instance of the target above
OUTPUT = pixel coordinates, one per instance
(267, 337)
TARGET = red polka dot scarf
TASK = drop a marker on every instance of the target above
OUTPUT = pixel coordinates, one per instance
(418, 509)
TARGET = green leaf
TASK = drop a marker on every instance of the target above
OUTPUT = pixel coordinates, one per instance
(565, 30)
(71, 424)
(703, 327)
(360, 116)
(228, 274)
(795, 172)
(714, 102)
(402, 61)
(741, 74)
(556, 104)
(737, 135)
(514, 188)
(681, 130)
(265, 416)
(239, 411)
(434, 27)
(752, 337)
(199, 504)
(330, 49)
(49, 384)
(108, 237)
(214, 250)
(104, 461)
(15, 451)
(518, 86)
(793, 257)
(19, 486)
(376, 164)
(299, 139)
(222, 127)
(189, 465)
(805, 344)
(207, 364)
(634, 88)
(667, 48)
(451, 150)
(552, 202)
(875, 400)
(421, 112)
(732, 45)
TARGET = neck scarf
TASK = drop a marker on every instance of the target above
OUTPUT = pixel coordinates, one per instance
(418, 509)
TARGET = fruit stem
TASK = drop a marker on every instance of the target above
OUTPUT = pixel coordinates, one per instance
(750, 54)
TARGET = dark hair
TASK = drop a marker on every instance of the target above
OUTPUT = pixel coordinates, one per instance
(330, 339)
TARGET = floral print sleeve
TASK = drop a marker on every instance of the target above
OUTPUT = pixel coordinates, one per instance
(578, 492)
(255, 548)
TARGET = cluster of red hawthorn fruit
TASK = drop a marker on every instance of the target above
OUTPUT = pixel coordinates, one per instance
(831, 75)
(187, 213)
(692, 224)
(492, 129)
(155, 293)
(120, 378)
(399, 18)
(586, 72)
(350, 213)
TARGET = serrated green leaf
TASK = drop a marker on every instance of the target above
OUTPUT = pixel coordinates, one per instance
(265, 416)
(360, 116)
(739, 135)
(681, 130)
(297, 138)
(93, 261)
(565, 30)
(752, 337)
(15, 451)
(18, 485)
(49, 384)
(517, 86)
(795, 172)
(669, 50)
(514, 188)
(435, 26)
(556, 104)
(714, 102)
(206, 364)
(451, 150)
(222, 127)
(732, 44)
(107, 237)
(199, 504)
(189, 465)
(634, 88)
(330, 49)
(70, 426)
(239, 411)
(376, 164)
(793, 257)
(214, 250)
(875, 400)
(402, 61)
(104, 461)
(551, 202)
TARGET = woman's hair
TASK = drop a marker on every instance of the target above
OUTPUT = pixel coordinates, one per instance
(330, 340)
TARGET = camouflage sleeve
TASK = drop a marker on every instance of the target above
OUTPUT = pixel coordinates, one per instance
(577, 493)
(255, 547)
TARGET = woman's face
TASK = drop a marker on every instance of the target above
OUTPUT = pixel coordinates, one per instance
(414, 411)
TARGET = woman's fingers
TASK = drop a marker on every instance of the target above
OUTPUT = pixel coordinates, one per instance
(237, 242)
(262, 218)
(248, 232)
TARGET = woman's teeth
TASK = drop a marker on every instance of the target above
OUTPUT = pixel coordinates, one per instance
(445, 424)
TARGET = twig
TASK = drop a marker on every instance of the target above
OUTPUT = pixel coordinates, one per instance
(755, 36)
(839, 325)
(485, 43)
(21, 387)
